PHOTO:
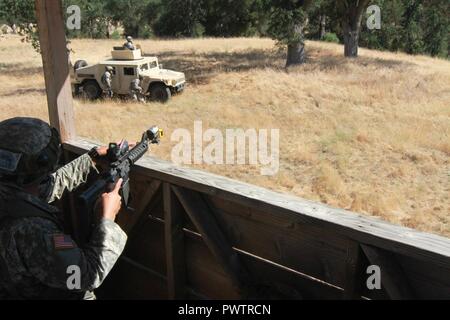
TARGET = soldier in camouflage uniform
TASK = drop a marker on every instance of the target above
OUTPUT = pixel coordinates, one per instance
(129, 44)
(136, 90)
(107, 80)
(35, 253)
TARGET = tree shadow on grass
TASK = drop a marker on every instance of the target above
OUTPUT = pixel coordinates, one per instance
(323, 60)
(201, 68)
(19, 70)
(20, 92)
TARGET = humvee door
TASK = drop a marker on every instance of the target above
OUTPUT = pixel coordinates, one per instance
(128, 75)
(116, 80)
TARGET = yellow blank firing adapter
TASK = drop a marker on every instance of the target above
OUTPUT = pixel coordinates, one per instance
(154, 135)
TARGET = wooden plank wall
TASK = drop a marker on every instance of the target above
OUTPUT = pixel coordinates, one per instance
(196, 235)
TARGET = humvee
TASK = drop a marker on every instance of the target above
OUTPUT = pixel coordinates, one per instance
(159, 84)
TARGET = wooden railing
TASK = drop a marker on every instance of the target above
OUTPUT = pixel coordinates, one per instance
(197, 235)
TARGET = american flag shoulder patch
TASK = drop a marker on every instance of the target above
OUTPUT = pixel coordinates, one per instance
(63, 242)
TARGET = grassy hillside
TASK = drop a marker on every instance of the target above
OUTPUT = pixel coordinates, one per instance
(370, 135)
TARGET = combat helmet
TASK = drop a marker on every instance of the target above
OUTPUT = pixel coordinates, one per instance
(29, 150)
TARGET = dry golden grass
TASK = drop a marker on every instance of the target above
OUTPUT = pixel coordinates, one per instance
(371, 135)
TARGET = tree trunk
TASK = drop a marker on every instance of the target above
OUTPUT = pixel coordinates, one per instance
(351, 25)
(351, 41)
(296, 50)
(108, 29)
(296, 54)
(323, 25)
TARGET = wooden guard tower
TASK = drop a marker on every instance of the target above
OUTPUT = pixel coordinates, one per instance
(194, 235)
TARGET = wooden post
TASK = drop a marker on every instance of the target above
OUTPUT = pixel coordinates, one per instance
(55, 59)
(174, 240)
(214, 238)
(353, 273)
(141, 209)
(393, 277)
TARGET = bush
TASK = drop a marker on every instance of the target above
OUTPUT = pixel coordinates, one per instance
(146, 32)
(116, 35)
(331, 37)
(198, 30)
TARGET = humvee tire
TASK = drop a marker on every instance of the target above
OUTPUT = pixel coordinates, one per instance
(160, 92)
(80, 64)
(92, 90)
(77, 90)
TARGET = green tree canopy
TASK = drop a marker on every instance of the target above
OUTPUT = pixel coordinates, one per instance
(413, 26)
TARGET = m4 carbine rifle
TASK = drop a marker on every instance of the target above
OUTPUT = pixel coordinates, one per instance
(120, 159)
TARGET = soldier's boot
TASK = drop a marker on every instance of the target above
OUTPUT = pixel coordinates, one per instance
(141, 97)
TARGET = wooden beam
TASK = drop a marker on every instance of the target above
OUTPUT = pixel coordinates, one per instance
(214, 238)
(305, 248)
(145, 269)
(353, 273)
(174, 241)
(202, 271)
(393, 278)
(141, 209)
(55, 60)
(271, 275)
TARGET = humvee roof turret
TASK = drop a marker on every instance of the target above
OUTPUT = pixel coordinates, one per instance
(158, 84)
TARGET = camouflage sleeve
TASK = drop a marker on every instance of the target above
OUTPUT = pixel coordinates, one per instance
(69, 177)
(51, 257)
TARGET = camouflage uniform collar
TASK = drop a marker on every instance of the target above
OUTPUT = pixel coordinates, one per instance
(37, 202)
(9, 192)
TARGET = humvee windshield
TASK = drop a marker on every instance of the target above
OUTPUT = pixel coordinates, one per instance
(144, 67)
(147, 66)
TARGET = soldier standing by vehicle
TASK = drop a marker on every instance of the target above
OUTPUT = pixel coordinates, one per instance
(35, 253)
(129, 44)
(136, 90)
(107, 80)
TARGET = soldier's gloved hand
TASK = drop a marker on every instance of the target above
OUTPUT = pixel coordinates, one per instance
(111, 203)
(99, 158)
(102, 151)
